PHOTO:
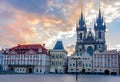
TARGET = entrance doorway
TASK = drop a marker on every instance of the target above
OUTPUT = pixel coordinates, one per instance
(30, 70)
(83, 71)
(107, 72)
(11, 69)
(56, 71)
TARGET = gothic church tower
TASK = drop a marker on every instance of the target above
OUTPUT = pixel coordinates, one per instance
(100, 29)
(81, 35)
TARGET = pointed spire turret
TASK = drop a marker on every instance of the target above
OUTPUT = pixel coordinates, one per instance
(82, 25)
(81, 18)
(99, 24)
(99, 15)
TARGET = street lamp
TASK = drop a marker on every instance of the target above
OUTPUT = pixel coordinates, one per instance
(76, 58)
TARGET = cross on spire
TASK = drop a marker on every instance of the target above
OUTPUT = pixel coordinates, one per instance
(99, 9)
(81, 5)
(82, 25)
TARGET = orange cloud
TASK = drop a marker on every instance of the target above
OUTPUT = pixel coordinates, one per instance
(24, 27)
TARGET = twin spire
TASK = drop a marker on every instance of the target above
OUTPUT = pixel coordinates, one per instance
(82, 25)
(99, 24)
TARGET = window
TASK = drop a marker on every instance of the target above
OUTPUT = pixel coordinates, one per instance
(89, 65)
(90, 50)
(36, 70)
(80, 35)
(52, 62)
(57, 56)
(40, 50)
(99, 34)
(53, 56)
(73, 64)
(56, 63)
(60, 56)
(40, 71)
(83, 65)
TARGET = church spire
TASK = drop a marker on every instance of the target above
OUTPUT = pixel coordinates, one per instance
(81, 17)
(82, 25)
(100, 15)
(100, 24)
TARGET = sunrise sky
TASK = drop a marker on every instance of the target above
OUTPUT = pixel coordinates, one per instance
(46, 21)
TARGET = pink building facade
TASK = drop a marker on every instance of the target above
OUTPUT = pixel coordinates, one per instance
(107, 62)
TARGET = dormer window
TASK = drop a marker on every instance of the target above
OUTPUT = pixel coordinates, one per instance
(40, 50)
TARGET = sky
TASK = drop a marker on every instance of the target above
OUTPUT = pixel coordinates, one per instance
(46, 21)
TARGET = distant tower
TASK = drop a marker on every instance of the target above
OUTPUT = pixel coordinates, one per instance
(81, 34)
(100, 29)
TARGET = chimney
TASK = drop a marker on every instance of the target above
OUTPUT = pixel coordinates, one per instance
(43, 45)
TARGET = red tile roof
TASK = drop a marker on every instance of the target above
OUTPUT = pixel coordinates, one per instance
(22, 49)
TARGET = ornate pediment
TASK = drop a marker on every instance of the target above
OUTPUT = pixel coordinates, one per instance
(13, 52)
(31, 52)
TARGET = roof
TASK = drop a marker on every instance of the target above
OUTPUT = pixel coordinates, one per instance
(58, 46)
(100, 24)
(22, 49)
(90, 38)
(108, 52)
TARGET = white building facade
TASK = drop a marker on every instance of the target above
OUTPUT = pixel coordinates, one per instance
(74, 65)
(1, 57)
(33, 58)
(106, 62)
(84, 63)
(58, 58)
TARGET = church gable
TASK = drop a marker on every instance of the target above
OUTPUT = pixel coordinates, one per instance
(90, 36)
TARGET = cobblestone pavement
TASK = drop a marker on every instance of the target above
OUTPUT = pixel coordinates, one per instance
(57, 78)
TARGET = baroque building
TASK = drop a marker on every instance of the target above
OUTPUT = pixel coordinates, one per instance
(32, 58)
(106, 62)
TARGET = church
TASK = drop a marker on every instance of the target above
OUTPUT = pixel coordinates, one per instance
(86, 44)
(86, 40)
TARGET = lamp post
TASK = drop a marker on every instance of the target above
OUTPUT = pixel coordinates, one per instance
(76, 59)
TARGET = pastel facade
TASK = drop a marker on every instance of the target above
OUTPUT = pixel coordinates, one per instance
(1, 57)
(33, 58)
(84, 63)
(74, 65)
(58, 58)
(107, 62)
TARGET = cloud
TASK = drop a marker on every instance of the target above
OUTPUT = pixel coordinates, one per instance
(70, 48)
(118, 45)
(115, 47)
(30, 6)
(45, 21)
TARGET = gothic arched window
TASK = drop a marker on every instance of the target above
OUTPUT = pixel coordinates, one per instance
(80, 35)
(99, 34)
(90, 50)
